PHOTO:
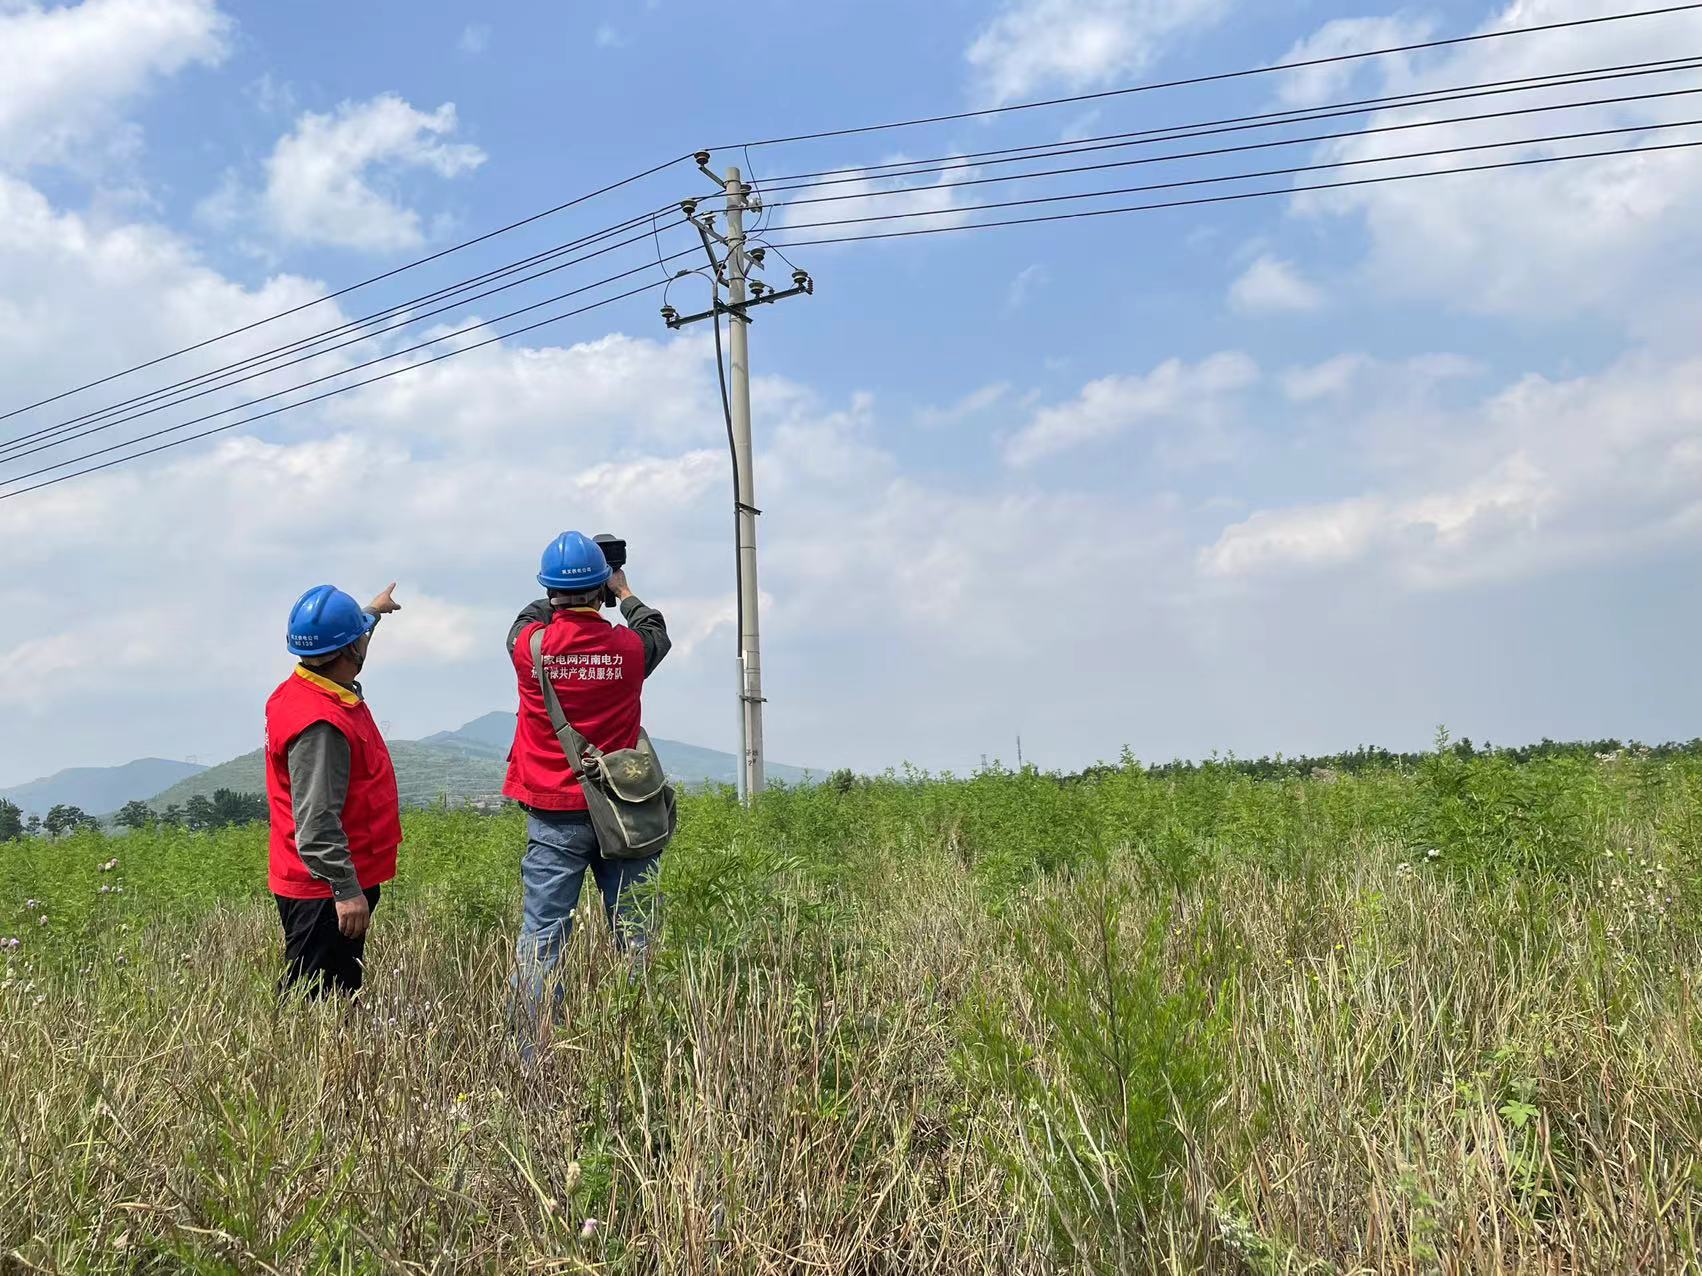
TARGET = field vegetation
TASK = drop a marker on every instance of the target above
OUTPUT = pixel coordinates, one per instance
(1433, 1014)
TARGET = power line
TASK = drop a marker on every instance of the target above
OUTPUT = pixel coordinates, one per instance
(14, 452)
(1147, 136)
(330, 376)
(926, 230)
(1224, 199)
(52, 435)
(344, 291)
(1233, 124)
(1220, 76)
(231, 425)
(1239, 177)
(1252, 146)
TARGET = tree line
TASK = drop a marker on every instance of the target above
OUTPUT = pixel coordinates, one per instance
(199, 814)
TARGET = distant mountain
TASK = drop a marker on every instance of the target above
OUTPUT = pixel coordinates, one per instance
(466, 764)
(97, 789)
(490, 736)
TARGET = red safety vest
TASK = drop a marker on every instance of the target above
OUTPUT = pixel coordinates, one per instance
(597, 670)
(371, 816)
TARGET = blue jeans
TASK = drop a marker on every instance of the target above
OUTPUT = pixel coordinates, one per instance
(560, 846)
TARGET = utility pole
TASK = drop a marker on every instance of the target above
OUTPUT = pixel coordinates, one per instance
(744, 479)
(733, 270)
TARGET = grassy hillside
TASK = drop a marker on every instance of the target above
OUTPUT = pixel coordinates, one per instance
(424, 773)
(490, 736)
(1430, 1018)
(463, 765)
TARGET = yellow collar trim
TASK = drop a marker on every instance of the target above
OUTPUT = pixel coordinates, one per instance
(326, 685)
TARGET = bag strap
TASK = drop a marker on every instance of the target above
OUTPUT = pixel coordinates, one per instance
(572, 743)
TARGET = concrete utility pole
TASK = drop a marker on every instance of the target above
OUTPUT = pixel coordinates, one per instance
(744, 477)
(733, 269)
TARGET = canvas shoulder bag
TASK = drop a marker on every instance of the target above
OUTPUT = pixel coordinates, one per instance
(631, 803)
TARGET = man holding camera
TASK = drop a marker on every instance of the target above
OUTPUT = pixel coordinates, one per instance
(597, 670)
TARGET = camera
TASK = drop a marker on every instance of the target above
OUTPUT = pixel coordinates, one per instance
(614, 550)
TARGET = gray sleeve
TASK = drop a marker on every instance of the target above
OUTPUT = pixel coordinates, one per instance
(648, 624)
(533, 613)
(319, 784)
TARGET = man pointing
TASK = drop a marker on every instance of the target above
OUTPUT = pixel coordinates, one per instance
(331, 790)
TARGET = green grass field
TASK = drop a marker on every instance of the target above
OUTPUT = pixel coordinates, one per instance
(1434, 1018)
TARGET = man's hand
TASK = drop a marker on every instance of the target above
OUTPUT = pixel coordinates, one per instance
(618, 586)
(353, 914)
(384, 604)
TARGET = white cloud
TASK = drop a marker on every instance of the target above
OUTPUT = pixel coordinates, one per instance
(1542, 475)
(66, 70)
(437, 631)
(1187, 397)
(918, 202)
(1309, 86)
(1033, 46)
(1609, 237)
(1029, 280)
(475, 38)
(607, 37)
(1336, 376)
(323, 178)
(967, 408)
(1273, 286)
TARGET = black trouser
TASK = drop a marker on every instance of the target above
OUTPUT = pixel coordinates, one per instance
(315, 951)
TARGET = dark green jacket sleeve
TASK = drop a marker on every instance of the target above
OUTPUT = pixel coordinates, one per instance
(648, 624)
(319, 761)
(533, 613)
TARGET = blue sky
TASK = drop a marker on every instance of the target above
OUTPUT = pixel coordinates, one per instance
(1290, 474)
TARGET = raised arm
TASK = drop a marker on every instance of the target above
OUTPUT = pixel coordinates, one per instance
(644, 621)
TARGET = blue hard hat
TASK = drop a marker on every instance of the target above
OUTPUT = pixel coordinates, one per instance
(325, 619)
(573, 563)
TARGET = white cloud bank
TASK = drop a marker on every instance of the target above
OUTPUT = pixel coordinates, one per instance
(1033, 46)
(333, 179)
(65, 70)
(1273, 286)
(1176, 395)
(1541, 475)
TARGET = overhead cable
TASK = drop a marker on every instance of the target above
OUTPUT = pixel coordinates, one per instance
(348, 288)
(1220, 76)
(1252, 146)
(1232, 124)
(86, 423)
(71, 432)
(231, 425)
(1218, 199)
(330, 376)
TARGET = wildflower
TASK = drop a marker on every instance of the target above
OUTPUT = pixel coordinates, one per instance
(122, 960)
(573, 1175)
(588, 1229)
(30, 905)
(44, 919)
(106, 890)
(1433, 854)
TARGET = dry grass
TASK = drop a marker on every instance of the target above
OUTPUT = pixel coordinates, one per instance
(1411, 1072)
